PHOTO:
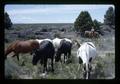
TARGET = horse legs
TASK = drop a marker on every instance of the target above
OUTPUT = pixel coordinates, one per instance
(86, 73)
(89, 70)
(65, 57)
(89, 66)
(52, 64)
(16, 54)
(18, 57)
(60, 57)
(69, 54)
(45, 65)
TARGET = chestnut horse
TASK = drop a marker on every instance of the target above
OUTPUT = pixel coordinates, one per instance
(21, 47)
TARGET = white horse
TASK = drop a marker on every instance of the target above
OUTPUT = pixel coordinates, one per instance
(86, 53)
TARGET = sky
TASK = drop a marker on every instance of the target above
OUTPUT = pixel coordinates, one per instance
(44, 13)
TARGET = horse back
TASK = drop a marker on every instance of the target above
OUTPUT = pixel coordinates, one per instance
(13, 45)
(65, 46)
(46, 49)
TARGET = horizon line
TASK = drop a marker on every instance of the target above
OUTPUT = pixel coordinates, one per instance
(43, 23)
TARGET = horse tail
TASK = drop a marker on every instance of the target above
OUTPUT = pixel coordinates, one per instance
(10, 48)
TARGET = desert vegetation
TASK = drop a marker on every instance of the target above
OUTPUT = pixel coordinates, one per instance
(103, 65)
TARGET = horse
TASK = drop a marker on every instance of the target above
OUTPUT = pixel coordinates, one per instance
(46, 50)
(21, 47)
(86, 53)
(62, 46)
(88, 34)
(91, 34)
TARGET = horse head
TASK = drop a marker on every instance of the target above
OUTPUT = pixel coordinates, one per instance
(76, 43)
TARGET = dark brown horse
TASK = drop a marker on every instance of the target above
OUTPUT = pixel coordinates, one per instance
(21, 47)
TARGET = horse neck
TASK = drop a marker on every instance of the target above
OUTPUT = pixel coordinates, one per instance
(35, 44)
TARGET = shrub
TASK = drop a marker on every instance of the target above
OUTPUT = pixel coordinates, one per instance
(96, 25)
(31, 37)
(57, 35)
(44, 30)
(109, 17)
(7, 21)
(83, 22)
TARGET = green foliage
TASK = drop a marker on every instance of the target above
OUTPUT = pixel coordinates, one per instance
(83, 22)
(109, 17)
(7, 21)
(96, 25)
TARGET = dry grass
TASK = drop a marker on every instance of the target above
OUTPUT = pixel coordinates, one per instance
(103, 65)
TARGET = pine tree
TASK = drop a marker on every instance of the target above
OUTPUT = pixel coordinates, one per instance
(83, 22)
(7, 21)
(96, 25)
(109, 17)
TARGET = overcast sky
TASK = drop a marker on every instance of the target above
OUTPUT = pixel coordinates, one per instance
(53, 13)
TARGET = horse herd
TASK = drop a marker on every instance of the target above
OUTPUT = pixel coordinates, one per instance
(44, 49)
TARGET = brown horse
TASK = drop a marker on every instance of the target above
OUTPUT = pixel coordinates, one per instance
(21, 47)
(91, 34)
